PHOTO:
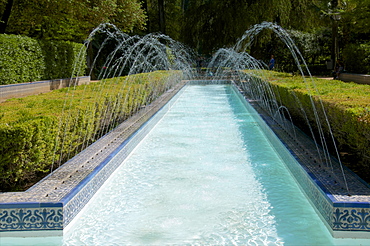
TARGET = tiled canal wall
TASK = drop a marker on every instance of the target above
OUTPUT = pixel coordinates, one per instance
(345, 215)
(51, 205)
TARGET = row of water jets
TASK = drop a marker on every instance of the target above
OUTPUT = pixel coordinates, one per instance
(129, 55)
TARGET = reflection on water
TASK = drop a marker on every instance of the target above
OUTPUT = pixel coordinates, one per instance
(205, 175)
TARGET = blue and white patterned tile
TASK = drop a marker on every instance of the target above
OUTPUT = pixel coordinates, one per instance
(83, 185)
(351, 219)
(328, 198)
(43, 218)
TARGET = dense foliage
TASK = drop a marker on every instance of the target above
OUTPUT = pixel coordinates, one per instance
(357, 58)
(71, 20)
(39, 131)
(324, 28)
(209, 25)
(23, 59)
(317, 26)
(347, 107)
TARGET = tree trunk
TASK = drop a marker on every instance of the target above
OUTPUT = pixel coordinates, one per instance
(162, 21)
(145, 7)
(334, 33)
(184, 5)
(6, 15)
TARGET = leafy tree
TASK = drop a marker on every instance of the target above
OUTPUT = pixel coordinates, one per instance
(355, 20)
(70, 19)
(218, 23)
(128, 15)
(165, 17)
(349, 23)
(205, 25)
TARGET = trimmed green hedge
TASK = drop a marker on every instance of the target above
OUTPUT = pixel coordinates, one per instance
(23, 59)
(347, 106)
(41, 130)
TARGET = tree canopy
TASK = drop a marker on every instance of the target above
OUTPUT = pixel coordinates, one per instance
(207, 25)
(204, 25)
(68, 19)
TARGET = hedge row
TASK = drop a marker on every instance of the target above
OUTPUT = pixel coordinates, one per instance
(347, 106)
(23, 59)
(38, 132)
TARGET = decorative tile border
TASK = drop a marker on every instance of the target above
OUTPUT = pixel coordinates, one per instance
(79, 197)
(18, 215)
(209, 82)
(343, 216)
(26, 218)
(76, 200)
(351, 219)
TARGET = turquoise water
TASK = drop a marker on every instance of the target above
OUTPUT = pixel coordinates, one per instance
(204, 175)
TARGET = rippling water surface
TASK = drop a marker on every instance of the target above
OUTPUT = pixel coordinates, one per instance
(205, 175)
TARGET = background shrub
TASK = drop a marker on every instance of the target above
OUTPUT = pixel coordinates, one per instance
(23, 59)
(346, 108)
(41, 131)
(357, 58)
(63, 59)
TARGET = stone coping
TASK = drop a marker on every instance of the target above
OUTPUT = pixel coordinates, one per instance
(37, 87)
(346, 214)
(326, 171)
(317, 164)
(357, 78)
(53, 202)
(61, 182)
